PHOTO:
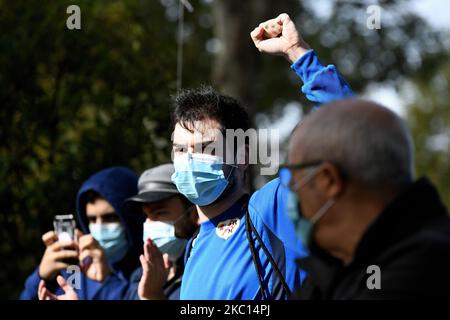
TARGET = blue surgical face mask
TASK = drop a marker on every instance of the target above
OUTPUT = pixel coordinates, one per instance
(303, 226)
(163, 236)
(112, 238)
(200, 177)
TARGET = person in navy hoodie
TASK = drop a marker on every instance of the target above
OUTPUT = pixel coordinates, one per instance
(108, 247)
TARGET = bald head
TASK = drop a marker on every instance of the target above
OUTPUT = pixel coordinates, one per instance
(369, 143)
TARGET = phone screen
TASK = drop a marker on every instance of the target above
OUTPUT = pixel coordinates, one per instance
(64, 227)
(65, 230)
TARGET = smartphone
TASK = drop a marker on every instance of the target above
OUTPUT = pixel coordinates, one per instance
(65, 230)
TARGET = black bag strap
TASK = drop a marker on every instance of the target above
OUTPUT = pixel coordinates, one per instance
(249, 228)
(189, 248)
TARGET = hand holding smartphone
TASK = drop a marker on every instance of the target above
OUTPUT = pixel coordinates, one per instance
(64, 226)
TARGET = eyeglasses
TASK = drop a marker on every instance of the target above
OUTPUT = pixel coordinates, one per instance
(285, 172)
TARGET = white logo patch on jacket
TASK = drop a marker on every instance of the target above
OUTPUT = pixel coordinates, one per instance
(225, 229)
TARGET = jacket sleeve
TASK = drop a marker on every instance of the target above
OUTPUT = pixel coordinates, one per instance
(320, 84)
(114, 288)
(269, 203)
(132, 290)
(30, 292)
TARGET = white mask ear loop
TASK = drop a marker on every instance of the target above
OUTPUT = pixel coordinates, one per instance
(183, 215)
(305, 180)
(233, 166)
(319, 214)
(231, 171)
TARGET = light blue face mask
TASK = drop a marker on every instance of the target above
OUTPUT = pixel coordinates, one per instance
(199, 177)
(303, 226)
(112, 238)
(163, 236)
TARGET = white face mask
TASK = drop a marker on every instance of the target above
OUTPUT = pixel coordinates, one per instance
(163, 236)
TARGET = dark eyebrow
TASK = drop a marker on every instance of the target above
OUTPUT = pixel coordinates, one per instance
(154, 206)
(203, 143)
(206, 143)
(112, 213)
(108, 214)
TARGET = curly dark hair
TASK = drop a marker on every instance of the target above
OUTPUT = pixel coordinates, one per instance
(191, 105)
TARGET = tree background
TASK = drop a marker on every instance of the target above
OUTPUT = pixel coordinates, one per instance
(76, 101)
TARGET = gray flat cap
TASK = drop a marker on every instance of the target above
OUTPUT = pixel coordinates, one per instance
(155, 185)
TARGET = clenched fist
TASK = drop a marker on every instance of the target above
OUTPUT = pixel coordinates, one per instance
(279, 36)
(272, 28)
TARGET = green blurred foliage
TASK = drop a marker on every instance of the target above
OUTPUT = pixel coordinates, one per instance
(429, 119)
(74, 102)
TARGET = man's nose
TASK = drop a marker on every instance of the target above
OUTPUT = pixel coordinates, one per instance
(152, 218)
(98, 220)
(190, 149)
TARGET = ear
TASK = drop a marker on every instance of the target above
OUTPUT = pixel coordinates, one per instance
(330, 180)
(243, 157)
(193, 213)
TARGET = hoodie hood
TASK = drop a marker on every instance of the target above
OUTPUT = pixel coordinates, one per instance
(115, 185)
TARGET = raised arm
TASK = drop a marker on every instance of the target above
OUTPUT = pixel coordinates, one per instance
(279, 36)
